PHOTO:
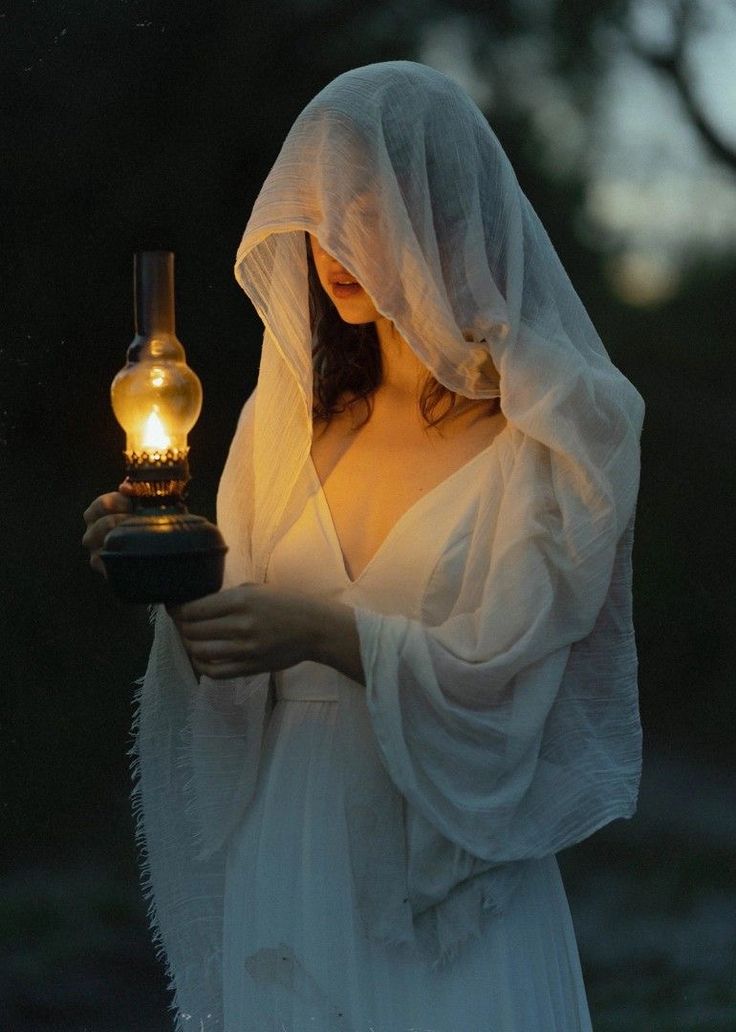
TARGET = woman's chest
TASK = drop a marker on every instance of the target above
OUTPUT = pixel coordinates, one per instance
(368, 492)
(418, 568)
(372, 481)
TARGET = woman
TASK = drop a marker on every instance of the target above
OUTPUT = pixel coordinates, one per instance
(419, 680)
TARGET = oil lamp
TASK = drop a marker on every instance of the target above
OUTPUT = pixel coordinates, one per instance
(161, 552)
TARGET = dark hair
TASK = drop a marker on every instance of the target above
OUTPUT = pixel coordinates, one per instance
(347, 361)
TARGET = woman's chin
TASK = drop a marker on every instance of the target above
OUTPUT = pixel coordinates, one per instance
(355, 320)
(356, 315)
(355, 308)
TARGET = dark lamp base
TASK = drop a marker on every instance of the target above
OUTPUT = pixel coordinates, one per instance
(169, 558)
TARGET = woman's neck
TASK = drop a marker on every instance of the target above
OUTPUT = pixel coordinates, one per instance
(402, 373)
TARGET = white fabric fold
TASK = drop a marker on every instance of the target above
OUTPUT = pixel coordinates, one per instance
(184, 894)
(517, 771)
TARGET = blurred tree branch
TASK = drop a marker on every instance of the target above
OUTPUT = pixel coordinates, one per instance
(673, 62)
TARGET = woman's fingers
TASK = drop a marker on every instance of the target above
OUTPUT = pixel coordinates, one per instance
(231, 602)
(100, 517)
(216, 651)
(228, 627)
(245, 630)
(112, 502)
(96, 532)
(97, 564)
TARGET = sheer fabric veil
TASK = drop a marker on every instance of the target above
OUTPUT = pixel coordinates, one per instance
(510, 730)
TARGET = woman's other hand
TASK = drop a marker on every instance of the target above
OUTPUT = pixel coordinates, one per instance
(255, 628)
(102, 515)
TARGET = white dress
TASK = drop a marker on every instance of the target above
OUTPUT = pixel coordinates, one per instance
(295, 957)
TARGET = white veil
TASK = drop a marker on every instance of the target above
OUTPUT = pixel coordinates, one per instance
(530, 683)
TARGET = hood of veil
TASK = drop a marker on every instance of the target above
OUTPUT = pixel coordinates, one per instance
(397, 173)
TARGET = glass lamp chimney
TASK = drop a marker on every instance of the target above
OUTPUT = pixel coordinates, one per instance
(156, 397)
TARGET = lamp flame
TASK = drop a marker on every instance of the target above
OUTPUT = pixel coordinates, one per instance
(155, 437)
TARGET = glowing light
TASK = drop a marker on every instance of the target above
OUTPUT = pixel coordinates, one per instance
(154, 435)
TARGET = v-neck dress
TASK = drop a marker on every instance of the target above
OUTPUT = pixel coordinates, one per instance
(295, 955)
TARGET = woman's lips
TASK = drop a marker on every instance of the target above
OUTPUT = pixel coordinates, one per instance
(343, 285)
(345, 290)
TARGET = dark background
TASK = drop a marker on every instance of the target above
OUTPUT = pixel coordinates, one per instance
(131, 124)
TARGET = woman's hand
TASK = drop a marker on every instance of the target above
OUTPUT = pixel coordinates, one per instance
(102, 515)
(255, 628)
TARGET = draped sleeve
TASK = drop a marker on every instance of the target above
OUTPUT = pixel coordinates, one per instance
(508, 757)
(511, 729)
